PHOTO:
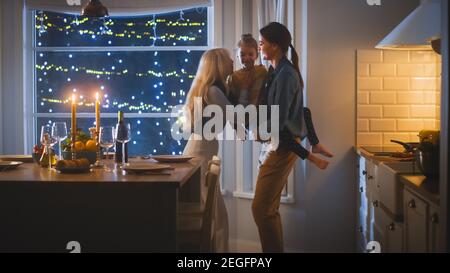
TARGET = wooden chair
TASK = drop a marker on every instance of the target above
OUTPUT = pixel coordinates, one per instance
(195, 208)
(196, 231)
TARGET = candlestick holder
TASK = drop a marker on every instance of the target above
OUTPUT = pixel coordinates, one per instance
(95, 137)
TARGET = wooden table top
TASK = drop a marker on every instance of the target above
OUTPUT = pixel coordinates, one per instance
(30, 172)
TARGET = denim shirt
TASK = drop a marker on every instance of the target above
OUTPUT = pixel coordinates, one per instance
(283, 88)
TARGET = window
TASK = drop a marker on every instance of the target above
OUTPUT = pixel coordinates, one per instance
(141, 65)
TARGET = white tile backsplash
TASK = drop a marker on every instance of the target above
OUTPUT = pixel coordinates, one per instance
(398, 94)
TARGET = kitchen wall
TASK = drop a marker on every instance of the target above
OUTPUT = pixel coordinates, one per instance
(336, 30)
(1, 82)
(398, 95)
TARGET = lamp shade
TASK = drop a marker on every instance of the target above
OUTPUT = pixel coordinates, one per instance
(417, 30)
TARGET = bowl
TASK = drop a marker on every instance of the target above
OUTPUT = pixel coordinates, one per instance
(91, 156)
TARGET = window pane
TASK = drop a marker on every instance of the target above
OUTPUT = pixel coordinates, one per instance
(148, 135)
(181, 28)
(138, 81)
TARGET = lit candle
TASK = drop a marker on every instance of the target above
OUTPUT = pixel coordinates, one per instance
(97, 114)
(74, 122)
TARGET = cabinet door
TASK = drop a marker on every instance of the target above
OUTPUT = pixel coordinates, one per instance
(416, 223)
(386, 230)
(433, 229)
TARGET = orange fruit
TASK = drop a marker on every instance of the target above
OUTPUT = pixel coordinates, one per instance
(79, 146)
(91, 146)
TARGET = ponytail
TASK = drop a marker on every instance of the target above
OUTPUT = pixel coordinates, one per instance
(295, 61)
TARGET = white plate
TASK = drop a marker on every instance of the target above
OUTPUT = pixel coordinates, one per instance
(172, 158)
(7, 165)
(146, 167)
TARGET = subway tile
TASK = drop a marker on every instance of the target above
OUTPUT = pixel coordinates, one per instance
(414, 137)
(383, 97)
(363, 97)
(416, 70)
(370, 83)
(387, 137)
(410, 97)
(370, 56)
(382, 70)
(395, 56)
(396, 111)
(427, 56)
(438, 83)
(382, 125)
(438, 98)
(396, 84)
(409, 125)
(363, 125)
(369, 138)
(438, 124)
(429, 124)
(423, 111)
(430, 97)
(363, 70)
(421, 83)
(369, 111)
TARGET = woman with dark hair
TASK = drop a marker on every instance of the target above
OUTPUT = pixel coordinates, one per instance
(283, 87)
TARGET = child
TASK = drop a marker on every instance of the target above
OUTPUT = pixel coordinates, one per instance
(245, 86)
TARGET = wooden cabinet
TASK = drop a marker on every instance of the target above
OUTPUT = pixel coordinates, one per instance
(387, 231)
(421, 224)
(364, 227)
(433, 229)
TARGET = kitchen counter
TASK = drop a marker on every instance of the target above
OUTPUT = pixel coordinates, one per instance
(426, 187)
(377, 159)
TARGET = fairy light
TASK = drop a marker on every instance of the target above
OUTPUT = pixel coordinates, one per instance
(166, 81)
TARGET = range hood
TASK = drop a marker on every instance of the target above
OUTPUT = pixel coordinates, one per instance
(418, 30)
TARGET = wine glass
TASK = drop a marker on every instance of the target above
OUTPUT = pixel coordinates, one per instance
(48, 141)
(107, 139)
(123, 135)
(59, 132)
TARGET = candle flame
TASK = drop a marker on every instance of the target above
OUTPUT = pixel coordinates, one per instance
(97, 96)
(73, 98)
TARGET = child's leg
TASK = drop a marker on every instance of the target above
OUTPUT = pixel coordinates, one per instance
(312, 136)
(288, 142)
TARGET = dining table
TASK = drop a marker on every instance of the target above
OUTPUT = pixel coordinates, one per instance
(99, 211)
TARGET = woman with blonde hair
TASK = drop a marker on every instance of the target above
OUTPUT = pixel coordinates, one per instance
(210, 88)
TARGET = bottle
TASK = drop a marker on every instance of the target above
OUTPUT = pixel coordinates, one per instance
(119, 152)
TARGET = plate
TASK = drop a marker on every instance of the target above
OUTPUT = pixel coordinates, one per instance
(172, 158)
(146, 168)
(21, 158)
(74, 170)
(8, 165)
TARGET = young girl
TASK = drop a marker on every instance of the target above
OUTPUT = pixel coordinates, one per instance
(245, 86)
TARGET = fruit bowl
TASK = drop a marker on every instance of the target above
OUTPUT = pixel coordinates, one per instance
(91, 156)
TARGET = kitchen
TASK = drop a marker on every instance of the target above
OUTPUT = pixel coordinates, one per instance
(359, 96)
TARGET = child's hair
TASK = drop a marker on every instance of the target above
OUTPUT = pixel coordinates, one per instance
(277, 33)
(248, 40)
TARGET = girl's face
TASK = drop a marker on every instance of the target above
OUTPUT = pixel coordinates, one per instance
(229, 64)
(247, 56)
(267, 49)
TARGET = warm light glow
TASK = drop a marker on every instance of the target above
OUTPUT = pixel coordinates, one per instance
(96, 96)
(73, 99)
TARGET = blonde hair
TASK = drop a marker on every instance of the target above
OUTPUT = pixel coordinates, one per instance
(211, 69)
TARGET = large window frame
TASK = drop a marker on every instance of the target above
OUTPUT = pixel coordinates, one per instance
(31, 51)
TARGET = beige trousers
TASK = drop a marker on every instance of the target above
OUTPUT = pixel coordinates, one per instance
(272, 178)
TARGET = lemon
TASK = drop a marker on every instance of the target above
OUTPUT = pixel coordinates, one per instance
(79, 146)
(91, 146)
